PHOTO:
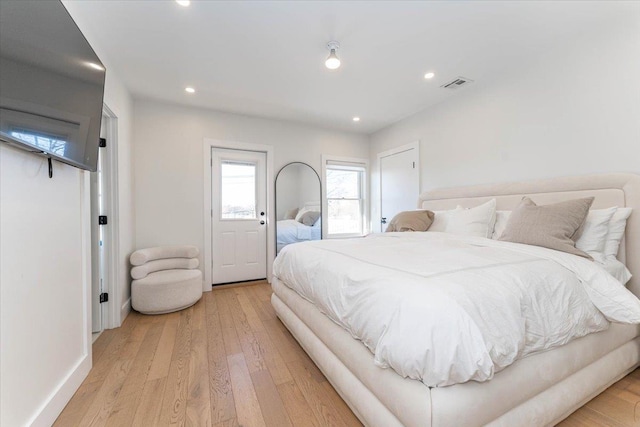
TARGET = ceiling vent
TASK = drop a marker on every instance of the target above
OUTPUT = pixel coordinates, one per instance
(457, 82)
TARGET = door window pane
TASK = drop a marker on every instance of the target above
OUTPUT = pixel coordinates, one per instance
(238, 192)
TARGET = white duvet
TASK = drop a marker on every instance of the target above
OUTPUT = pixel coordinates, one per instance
(447, 309)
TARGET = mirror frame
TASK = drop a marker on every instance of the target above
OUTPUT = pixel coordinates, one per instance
(275, 201)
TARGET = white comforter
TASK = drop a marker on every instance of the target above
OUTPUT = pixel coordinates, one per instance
(447, 309)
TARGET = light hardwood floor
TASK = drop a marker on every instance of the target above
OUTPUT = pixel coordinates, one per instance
(228, 361)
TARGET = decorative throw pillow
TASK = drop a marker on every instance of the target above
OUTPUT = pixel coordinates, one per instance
(308, 217)
(593, 233)
(550, 226)
(419, 220)
(478, 221)
(291, 214)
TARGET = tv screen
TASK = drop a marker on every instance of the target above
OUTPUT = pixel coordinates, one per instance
(51, 83)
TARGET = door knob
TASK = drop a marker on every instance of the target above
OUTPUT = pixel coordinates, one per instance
(261, 222)
(383, 220)
(261, 213)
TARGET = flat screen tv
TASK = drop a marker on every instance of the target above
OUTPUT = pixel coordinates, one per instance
(51, 83)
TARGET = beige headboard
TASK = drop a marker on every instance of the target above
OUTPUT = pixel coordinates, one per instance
(609, 190)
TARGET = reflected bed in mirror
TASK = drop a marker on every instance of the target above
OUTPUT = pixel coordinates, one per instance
(298, 207)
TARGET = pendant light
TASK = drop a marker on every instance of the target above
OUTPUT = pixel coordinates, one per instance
(332, 61)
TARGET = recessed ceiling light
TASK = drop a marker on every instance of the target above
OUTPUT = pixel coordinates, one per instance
(95, 66)
(184, 3)
(190, 89)
(356, 119)
(429, 75)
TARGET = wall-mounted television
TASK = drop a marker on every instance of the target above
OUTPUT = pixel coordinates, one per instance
(51, 83)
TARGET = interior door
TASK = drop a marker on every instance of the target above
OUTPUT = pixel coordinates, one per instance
(399, 184)
(98, 235)
(238, 215)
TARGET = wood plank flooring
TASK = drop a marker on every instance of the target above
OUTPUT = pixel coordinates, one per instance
(227, 362)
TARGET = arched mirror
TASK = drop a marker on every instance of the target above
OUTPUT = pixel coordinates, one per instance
(298, 207)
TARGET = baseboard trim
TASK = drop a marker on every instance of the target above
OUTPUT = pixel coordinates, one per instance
(125, 310)
(53, 406)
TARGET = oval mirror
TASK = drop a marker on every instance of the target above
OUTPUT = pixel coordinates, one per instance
(298, 207)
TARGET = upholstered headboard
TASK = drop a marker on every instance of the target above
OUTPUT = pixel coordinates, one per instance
(609, 190)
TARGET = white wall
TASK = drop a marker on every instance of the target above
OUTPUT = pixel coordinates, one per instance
(574, 111)
(44, 285)
(168, 149)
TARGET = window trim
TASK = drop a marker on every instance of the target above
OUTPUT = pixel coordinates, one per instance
(353, 161)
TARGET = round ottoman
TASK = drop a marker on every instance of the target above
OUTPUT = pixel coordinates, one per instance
(166, 291)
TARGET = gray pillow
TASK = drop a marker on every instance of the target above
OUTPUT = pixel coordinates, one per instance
(411, 221)
(309, 218)
(552, 226)
(291, 214)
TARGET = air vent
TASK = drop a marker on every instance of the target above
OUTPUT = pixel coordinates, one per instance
(457, 82)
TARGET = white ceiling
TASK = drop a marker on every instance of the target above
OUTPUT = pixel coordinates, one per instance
(266, 58)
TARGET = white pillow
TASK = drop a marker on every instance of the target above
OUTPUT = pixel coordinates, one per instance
(616, 231)
(617, 269)
(595, 229)
(478, 221)
(502, 217)
(441, 219)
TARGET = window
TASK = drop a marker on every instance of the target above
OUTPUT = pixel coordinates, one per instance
(345, 191)
(238, 192)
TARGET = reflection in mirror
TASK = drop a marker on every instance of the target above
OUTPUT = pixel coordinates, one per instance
(298, 207)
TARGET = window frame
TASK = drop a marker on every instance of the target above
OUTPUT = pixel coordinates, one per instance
(346, 163)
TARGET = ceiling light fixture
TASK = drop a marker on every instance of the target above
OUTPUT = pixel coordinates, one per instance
(356, 119)
(190, 89)
(429, 75)
(332, 61)
(183, 3)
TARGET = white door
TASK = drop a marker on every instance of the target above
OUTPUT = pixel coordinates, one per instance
(238, 215)
(399, 184)
(98, 236)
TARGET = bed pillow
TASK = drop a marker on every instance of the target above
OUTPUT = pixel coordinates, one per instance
(291, 214)
(594, 231)
(308, 217)
(301, 212)
(419, 220)
(616, 231)
(502, 217)
(550, 226)
(441, 219)
(478, 221)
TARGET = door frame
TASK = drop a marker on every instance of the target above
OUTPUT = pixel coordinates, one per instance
(111, 310)
(208, 145)
(397, 150)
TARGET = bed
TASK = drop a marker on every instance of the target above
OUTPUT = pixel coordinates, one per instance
(540, 389)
